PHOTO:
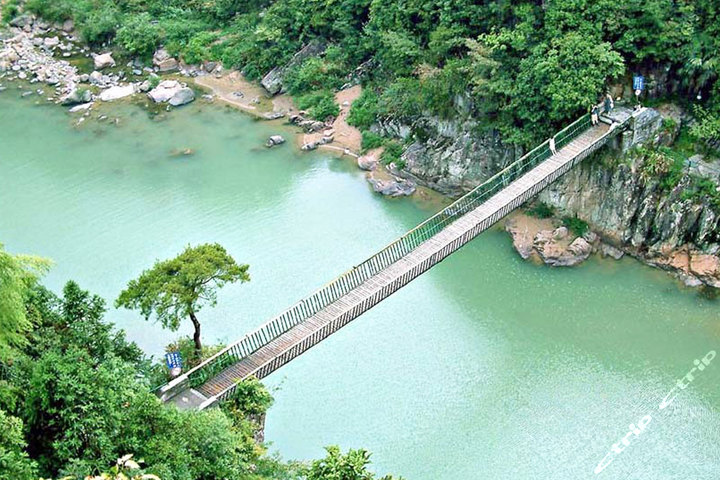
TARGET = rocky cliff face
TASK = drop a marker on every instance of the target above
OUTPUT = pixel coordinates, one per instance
(612, 191)
(635, 213)
(451, 156)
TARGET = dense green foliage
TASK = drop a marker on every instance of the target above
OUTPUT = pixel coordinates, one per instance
(179, 288)
(18, 274)
(74, 398)
(521, 67)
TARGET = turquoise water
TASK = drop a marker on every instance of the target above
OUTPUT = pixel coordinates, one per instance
(487, 367)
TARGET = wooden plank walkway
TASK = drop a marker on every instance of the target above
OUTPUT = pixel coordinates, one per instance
(303, 336)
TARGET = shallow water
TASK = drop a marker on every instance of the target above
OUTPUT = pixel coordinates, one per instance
(487, 367)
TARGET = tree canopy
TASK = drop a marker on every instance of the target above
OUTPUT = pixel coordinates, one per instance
(180, 287)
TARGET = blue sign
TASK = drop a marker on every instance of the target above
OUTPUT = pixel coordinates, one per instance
(638, 82)
(173, 360)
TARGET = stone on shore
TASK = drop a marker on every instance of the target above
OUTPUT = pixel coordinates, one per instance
(172, 92)
(610, 251)
(396, 187)
(77, 96)
(81, 108)
(367, 162)
(117, 92)
(104, 60)
(274, 140)
(164, 91)
(163, 61)
(182, 97)
(557, 253)
(51, 42)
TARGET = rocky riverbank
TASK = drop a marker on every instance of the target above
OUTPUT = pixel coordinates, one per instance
(59, 68)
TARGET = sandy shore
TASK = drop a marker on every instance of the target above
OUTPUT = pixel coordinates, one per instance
(236, 90)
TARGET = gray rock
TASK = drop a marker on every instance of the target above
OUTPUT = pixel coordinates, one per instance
(164, 62)
(77, 96)
(367, 162)
(392, 188)
(607, 250)
(273, 115)
(144, 86)
(21, 21)
(68, 26)
(560, 233)
(96, 78)
(51, 41)
(273, 80)
(182, 97)
(274, 140)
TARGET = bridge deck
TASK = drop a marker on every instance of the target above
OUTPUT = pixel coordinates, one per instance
(303, 336)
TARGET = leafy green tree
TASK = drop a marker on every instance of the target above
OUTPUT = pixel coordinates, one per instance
(336, 466)
(139, 35)
(179, 288)
(14, 461)
(18, 273)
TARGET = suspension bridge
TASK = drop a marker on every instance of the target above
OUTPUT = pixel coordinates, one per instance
(333, 306)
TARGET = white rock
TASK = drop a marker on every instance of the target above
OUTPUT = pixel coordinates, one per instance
(80, 108)
(52, 41)
(164, 91)
(114, 93)
(103, 61)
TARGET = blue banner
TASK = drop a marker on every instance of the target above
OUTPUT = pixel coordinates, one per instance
(638, 82)
(173, 360)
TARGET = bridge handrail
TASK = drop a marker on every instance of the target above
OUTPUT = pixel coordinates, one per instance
(351, 279)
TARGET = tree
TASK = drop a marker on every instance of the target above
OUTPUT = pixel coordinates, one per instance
(14, 462)
(18, 273)
(180, 287)
(336, 466)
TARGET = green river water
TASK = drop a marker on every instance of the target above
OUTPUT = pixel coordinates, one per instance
(486, 367)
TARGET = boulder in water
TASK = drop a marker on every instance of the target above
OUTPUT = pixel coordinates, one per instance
(274, 140)
(183, 96)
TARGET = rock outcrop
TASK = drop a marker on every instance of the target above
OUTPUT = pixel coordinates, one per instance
(450, 156)
(273, 80)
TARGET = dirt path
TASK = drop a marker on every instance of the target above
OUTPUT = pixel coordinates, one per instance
(234, 89)
(347, 139)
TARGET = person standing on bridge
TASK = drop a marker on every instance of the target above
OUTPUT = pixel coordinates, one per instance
(609, 104)
(594, 112)
(552, 145)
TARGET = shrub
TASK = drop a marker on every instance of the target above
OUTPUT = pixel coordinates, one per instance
(98, 25)
(139, 35)
(392, 154)
(576, 225)
(52, 10)
(707, 126)
(541, 210)
(371, 140)
(320, 105)
(313, 74)
(364, 109)
(198, 48)
(10, 10)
